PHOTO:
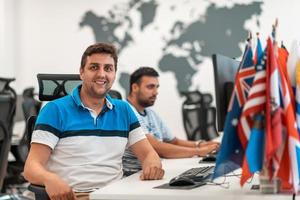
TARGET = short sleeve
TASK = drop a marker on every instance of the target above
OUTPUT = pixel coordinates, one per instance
(48, 126)
(136, 133)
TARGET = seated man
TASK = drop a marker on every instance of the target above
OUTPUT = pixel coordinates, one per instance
(143, 91)
(79, 140)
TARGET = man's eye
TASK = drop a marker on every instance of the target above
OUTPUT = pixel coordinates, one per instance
(108, 68)
(93, 67)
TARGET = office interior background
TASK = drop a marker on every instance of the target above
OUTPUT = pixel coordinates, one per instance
(177, 37)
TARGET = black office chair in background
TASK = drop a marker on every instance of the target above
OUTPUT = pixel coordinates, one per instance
(7, 112)
(4, 150)
(30, 107)
(54, 86)
(199, 116)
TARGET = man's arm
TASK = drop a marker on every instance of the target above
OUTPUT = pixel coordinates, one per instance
(35, 172)
(152, 168)
(170, 150)
(187, 143)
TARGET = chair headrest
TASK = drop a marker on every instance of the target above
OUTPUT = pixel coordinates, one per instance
(4, 83)
(54, 86)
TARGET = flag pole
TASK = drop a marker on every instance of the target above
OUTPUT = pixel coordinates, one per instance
(274, 30)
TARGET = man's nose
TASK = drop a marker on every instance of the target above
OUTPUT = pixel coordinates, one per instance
(155, 91)
(101, 72)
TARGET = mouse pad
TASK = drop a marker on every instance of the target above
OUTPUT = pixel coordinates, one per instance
(187, 187)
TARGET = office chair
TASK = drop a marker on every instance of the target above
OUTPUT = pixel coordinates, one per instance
(51, 86)
(4, 150)
(115, 94)
(7, 112)
(9, 108)
(30, 107)
(199, 116)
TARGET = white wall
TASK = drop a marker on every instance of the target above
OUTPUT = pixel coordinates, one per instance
(44, 36)
(8, 55)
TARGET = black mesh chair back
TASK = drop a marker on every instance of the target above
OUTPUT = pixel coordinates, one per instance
(30, 107)
(198, 116)
(4, 150)
(54, 86)
(115, 94)
(7, 112)
(8, 99)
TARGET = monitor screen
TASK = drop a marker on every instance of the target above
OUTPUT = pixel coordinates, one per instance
(225, 69)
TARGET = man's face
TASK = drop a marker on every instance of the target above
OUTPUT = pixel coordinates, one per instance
(98, 75)
(147, 91)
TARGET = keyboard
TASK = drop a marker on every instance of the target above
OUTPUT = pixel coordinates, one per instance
(198, 174)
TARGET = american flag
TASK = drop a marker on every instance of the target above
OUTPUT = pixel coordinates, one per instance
(253, 108)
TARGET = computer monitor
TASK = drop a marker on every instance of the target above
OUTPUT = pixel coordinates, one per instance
(225, 69)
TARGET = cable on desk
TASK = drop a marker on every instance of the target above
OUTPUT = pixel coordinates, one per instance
(225, 185)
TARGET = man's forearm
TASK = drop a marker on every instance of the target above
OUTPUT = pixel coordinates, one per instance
(169, 150)
(184, 143)
(36, 173)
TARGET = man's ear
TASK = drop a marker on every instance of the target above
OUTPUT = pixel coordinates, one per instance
(81, 73)
(135, 87)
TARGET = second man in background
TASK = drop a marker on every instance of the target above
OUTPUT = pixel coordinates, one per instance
(143, 92)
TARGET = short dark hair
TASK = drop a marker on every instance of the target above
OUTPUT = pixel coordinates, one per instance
(102, 48)
(137, 75)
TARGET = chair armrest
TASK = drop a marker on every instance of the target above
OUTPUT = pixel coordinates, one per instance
(39, 192)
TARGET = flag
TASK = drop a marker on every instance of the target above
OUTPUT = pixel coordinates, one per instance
(231, 153)
(273, 111)
(282, 59)
(255, 102)
(282, 139)
(258, 52)
(253, 108)
(298, 95)
(294, 56)
(290, 162)
(255, 147)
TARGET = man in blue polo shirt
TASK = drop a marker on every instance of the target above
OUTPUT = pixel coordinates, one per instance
(79, 140)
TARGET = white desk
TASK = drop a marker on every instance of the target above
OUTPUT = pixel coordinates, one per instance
(132, 188)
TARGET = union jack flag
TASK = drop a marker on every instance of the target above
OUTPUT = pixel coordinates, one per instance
(252, 110)
(231, 152)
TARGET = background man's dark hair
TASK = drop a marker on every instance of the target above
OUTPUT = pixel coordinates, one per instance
(137, 75)
(104, 48)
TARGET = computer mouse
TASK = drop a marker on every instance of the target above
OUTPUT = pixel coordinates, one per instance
(210, 158)
(181, 181)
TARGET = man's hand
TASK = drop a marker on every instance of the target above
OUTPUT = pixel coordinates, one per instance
(152, 172)
(152, 168)
(203, 150)
(204, 143)
(58, 189)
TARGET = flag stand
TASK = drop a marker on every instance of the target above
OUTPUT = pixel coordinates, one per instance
(267, 185)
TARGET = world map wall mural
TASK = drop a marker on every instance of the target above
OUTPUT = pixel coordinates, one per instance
(184, 44)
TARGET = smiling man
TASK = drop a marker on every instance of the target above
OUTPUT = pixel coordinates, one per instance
(79, 140)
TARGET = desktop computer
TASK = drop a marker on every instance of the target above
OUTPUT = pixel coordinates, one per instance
(225, 69)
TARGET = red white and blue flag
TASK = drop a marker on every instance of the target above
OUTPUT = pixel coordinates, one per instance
(251, 126)
(231, 153)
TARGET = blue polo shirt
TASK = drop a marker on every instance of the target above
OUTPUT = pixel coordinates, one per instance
(87, 149)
